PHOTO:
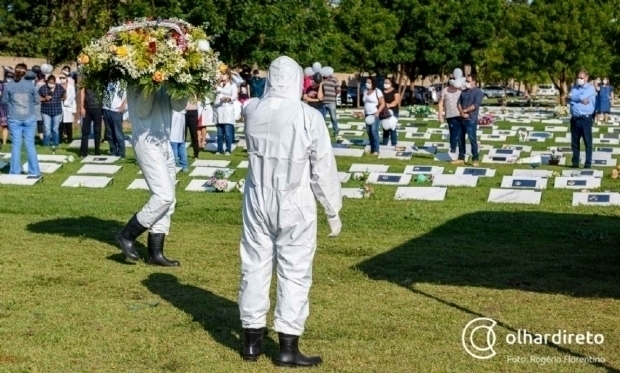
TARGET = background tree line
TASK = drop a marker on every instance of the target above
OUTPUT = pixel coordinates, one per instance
(529, 41)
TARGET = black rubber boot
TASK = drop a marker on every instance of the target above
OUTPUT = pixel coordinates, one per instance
(156, 251)
(253, 345)
(127, 237)
(290, 356)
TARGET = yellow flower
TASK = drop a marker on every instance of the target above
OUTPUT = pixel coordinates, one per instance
(158, 77)
(83, 59)
(121, 51)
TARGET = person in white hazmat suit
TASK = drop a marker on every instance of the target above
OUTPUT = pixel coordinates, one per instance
(290, 163)
(151, 119)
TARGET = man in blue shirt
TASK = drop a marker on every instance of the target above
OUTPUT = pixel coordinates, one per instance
(20, 96)
(582, 103)
(469, 107)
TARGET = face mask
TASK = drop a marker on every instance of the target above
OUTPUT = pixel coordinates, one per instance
(581, 81)
(63, 80)
(51, 85)
(451, 81)
(368, 86)
(9, 79)
(387, 85)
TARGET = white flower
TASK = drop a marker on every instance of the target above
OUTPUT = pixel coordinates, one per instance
(204, 46)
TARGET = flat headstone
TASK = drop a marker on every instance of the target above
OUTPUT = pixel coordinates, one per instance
(535, 139)
(521, 182)
(87, 182)
(210, 163)
(613, 130)
(421, 193)
(518, 120)
(601, 161)
(77, 144)
(243, 164)
(437, 131)
(524, 196)
(504, 152)
(556, 128)
(390, 154)
(350, 133)
(100, 169)
(455, 180)
(423, 136)
(388, 148)
(504, 132)
(178, 169)
(610, 150)
(596, 199)
(423, 170)
(521, 148)
(582, 173)
(346, 152)
(427, 150)
(475, 171)
(561, 149)
(53, 158)
(438, 145)
(210, 171)
(492, 138)
(505, 159)
(356, 193)
(362, 167)
(449, 157)
(46, 168)
(343, 126)
(344, 176)
(410, 129)
(532, 173)
(606, 141)
(564, 140)
(203, 186)
(551, 121)
(522, 128)
(100, 159)
(359, 142)
(388, 178)
(609, 136)
(580, 182)
(140, 184)
(212, 147)
(8, 179)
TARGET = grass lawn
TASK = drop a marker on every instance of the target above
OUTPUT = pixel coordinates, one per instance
(392, 293)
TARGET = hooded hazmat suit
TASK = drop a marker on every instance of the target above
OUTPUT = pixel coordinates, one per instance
(290, 163)
(151, 119)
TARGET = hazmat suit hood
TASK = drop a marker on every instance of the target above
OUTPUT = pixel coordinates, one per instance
(285, 79)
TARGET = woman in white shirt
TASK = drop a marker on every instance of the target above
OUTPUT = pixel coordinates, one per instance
(373, 104)
(69, 108)
(225, 112)
(205, 118)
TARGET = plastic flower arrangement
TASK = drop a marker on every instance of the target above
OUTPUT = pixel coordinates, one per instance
(486, 120)
(240, 186)
(420, 111)
(219, 181)
(339, 139)
(361, 176)
(368, 191)
(149, 55)
(560, 111)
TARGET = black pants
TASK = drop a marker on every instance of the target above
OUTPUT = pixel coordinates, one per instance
(94, 117)
(40, 127)
(191, 123)
(65, 128)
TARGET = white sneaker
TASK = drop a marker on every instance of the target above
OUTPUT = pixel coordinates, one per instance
(227, 153)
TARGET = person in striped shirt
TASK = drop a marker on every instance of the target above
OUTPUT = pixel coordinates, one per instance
(331, 90)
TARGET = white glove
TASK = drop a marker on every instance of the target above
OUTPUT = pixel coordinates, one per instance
(335, 225)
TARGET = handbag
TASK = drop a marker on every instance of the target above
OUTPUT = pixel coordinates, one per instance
(385, 113)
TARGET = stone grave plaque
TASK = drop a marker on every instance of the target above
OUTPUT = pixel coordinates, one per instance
(582, 173)
(561, 149)
(438, 145)
(512, 120)
(100, 159)
(99, 169)
(52, 158)
(492, 138)
(563, 140)
(343, 126)
(343, 152)
(556, 128)
(8, 179)
(243, 164)
(351, 133)
(388, 179)
(210, 163)
(522, 128)
(178, 169)
(532, 173)
(610, 136)
(521, 148)
(502, 152)
(429, 150)
(359, 142)
(396, 155)
(362, 167)
(596, 199)
(355, 193)
(535, 139)
(581, 182)
(87, 181)
(423, 170)
(211, 147)
(614, 151)
(449, 157)
(606, 141)
(455, 180)
(410, 129)
(344, 176)
(203, 186)
(421, 193)
(140, 184)
(210, 171)
(475, 171)
(507, 159)
(509, 182)
(46, 168)
(504, 132)
(522, 196)
(424, 136)
(551, 121)
(613, 130)
(340, 146)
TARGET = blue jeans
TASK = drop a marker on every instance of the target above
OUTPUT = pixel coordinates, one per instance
(331, 109)
(581, 127)
(50, 129)
(180, 154)
(225, 132)
(373, 135)
(455, 129)
(391, 134)
(114, 132)
(469, 127)
(23, 130)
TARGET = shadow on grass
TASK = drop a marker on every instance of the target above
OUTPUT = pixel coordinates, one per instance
(569, 254)
(217, 315)
(87, 227)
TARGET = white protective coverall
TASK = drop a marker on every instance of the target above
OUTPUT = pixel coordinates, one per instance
(151, 119)
(290, 163)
